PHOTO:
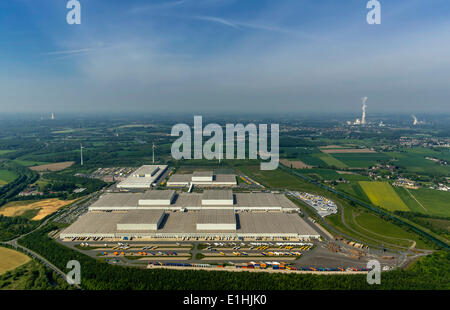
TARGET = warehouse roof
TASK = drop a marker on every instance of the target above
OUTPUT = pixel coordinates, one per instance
(143, 177)
(185, 200)
(223, 216)
(202, 174)
(217, 194)
(273, 223)
(117, 200)
(180, 178)
(146, 170)
(123, 201)
(141, 217)
(263, 200)
(228, 178)
(158, 195)
(185, 222)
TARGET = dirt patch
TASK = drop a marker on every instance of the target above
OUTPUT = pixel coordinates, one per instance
(342, 151)
(45, 207)
(296, 164)
(53, 167)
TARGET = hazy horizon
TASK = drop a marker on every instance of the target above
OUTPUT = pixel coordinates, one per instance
(224, 56)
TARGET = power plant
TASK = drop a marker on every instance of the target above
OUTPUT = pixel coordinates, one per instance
(364, 106)
(416, 121)
(361, 121)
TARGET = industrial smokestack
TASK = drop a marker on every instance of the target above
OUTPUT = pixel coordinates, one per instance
(364, 106)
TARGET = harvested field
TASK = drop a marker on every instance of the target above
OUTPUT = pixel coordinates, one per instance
(53, 167)
(345, 172)
(10, 259)
(332, 147)
(342, 151)
(42, 207)
(296, 164)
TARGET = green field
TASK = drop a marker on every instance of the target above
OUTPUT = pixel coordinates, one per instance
(7, 176)
(277, 179)
(353, 189)
(435, 202)
(360, 160)
(413, 160)
(2, 152)
(312, 160)
(29, 163)
(375, 234)
(331, 161)
(321, 174)
(371, 229)
(383, 195)
(386, 230)
(412, 204)
(329, 174)
(32, 276)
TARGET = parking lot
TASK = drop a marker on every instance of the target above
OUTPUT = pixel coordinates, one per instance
(295, 255)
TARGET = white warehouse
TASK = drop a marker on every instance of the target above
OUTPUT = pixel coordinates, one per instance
(144, 177)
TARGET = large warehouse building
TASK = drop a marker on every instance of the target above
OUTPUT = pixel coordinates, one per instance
(202, 178)
(143, 177)
(213, 213)
(209, 199)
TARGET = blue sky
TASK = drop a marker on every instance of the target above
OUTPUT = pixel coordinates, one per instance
(224, 56)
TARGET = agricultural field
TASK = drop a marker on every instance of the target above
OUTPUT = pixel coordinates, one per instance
(346, 150)
(431, 202)
(3, 152)
(29, 163)
(34, 210)
(361, 160)
(7, 176)
(10, 259)
(277, 179)
(321, 174)
(296, 164)
(414, 161)
(329, 174)
(353, 189)
(382, 194)
(307, 155)
(331, 161)
(53, 167)
(312, 160)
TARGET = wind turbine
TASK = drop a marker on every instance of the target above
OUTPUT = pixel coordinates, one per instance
(81, 154)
